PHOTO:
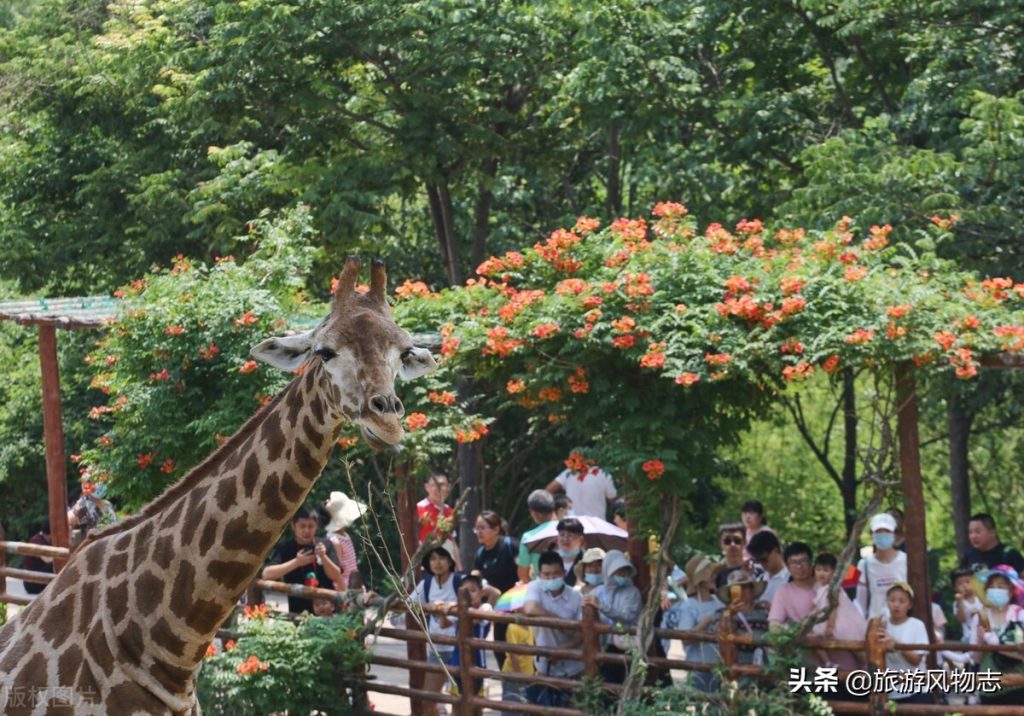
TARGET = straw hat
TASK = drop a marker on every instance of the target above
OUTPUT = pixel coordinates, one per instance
(737, 578)
(343, 511)
(594, 554)
(699, 569)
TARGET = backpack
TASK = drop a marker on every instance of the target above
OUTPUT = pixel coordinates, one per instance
(428, 580)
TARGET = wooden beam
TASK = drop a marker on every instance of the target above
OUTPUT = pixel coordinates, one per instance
(913, 494)
(53, 436)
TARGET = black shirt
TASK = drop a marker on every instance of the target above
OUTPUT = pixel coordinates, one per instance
(498, 565)
(287, 551)
(978, 560)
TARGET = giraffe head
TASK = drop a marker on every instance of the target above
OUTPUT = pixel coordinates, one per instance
(361, 351)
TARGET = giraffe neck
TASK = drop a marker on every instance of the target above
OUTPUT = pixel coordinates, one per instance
(188, 563)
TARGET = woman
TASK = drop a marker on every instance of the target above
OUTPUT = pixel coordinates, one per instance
(343, 511)
(496, 562)
(754, 521)
(439, 588)
(618, 602)
(1002, 622)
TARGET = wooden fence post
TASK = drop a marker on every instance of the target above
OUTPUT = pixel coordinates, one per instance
(467, 692)
(590, 644)
(727, 647)
(876, 662)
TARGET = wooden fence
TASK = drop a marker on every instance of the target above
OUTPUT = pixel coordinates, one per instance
(728, 641)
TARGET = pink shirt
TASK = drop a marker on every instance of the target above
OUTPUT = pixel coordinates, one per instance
(791, 604)
(346, 552)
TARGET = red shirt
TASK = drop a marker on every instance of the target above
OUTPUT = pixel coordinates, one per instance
(427, 513)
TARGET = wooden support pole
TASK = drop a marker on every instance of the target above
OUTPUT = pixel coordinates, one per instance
(590, 643)
(875, 652)
(467, 691)
(913, 496)
(53, 436)
(407, 525)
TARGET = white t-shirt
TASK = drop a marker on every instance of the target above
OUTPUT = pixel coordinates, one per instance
(590, 495)
(438, 593)
(881, 576)
(774, 582)
(912, 631)
(567, 605)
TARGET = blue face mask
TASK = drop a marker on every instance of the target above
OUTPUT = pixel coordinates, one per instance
(593, 579)
(552, 585)
(622, 581)
(883, 540)
(569, 554)
(998, 597)
(99, 490)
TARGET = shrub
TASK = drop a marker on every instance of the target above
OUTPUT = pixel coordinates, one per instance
(277, 665)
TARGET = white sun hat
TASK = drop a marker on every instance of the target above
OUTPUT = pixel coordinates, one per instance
(343, 511)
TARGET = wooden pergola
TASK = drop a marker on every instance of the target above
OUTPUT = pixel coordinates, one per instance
(48, 315)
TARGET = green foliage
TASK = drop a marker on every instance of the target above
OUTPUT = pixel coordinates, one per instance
(279, 666)
(731, 699)
(174, 365)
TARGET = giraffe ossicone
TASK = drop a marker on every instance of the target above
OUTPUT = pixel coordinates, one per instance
(124, 626)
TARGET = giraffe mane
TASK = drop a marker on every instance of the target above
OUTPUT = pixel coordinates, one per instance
(212, 462)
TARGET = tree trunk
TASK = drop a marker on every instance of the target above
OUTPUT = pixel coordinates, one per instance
(440, 201)
(849, 487)
(614, 167)
(482, 214)
(959, 468)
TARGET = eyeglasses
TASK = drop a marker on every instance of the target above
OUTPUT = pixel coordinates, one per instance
(798, 561)
(732, 541)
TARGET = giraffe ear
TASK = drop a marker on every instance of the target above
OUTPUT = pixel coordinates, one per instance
(285, 352)
(416, 362)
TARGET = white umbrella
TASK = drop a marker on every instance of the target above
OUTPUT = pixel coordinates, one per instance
(599, 533)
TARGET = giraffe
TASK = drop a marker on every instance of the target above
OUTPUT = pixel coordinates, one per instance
(124, 626)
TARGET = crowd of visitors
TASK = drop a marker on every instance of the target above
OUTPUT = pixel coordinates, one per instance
(572, 558)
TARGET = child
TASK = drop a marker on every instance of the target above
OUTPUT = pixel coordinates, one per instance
(696, 614)
(511, 691)
(968, 603)
(901, 628)
(478, 593)
(439, 588)
(845, 622)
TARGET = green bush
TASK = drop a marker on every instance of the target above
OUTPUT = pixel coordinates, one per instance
(175, 364)
(279, 666)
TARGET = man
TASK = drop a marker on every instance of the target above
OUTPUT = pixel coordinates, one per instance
(986, 551)
(886, 567)
(766, 552)
(589, 488)
(548, 596)
(542, 511)
(794, 600)
(569, 545)
(732, 537)
(39, 564)
(302, 559)
(434, 515)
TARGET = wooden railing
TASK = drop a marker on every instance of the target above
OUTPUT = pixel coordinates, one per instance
(727, 640)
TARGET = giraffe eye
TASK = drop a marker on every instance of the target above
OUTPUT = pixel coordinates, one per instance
(325, 353)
